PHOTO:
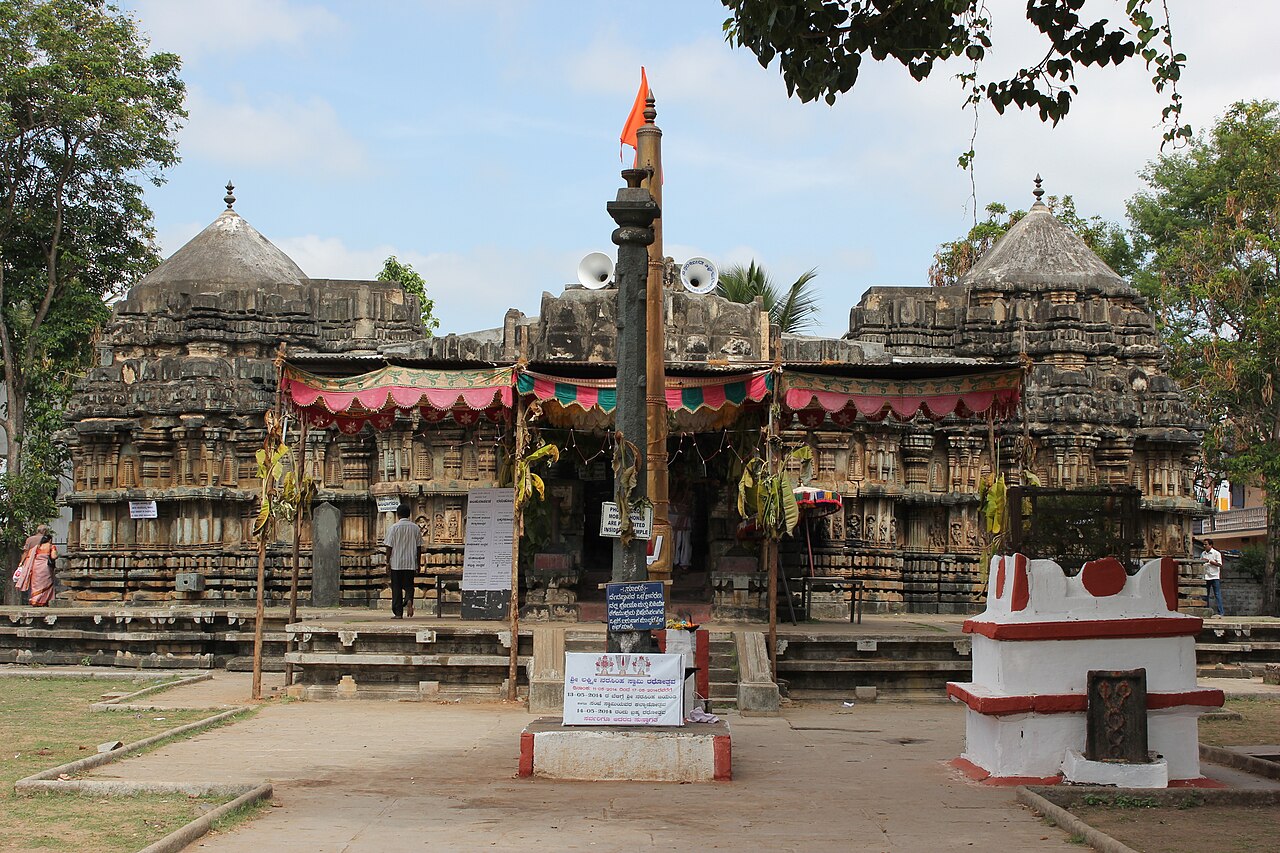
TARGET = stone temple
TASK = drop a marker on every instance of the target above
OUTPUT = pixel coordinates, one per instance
(188, 366)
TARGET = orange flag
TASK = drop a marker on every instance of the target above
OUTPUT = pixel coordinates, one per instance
(635, 119)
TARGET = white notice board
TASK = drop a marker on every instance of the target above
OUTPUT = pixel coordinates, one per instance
(486, 560)
(143, 509)
(623, 690)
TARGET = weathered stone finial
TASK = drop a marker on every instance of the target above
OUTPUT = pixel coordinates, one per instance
(650, 111)
(634, 177)
(230, 197)
(1038, 192)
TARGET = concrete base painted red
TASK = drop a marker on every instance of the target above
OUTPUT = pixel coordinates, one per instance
(692, 753)
(977, 774)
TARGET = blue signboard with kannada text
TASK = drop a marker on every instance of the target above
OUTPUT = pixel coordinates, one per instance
(639, 606)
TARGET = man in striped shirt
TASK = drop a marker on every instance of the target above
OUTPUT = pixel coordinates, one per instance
(404, 545)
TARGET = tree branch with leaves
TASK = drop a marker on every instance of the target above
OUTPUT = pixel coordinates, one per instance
(820, 46)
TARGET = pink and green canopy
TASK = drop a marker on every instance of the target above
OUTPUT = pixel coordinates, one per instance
(995, 393)
(376, 397)
(684, 393)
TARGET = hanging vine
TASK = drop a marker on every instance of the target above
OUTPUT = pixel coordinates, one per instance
(626, 477)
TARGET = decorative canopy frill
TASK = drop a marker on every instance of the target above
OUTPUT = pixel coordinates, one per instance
(684, 393)
(375, 398)
(816, 502)
(813, 396)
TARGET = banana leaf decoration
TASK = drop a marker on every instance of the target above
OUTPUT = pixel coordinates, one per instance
(285, 495)
(769, 499)
(527, 483)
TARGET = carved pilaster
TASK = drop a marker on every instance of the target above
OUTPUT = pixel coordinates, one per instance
(917, 448)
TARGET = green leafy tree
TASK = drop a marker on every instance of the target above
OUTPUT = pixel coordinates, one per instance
(1210, 226)
(820, 45)
(414, 285)
(86, 114)
(794, 309)
(953, 260)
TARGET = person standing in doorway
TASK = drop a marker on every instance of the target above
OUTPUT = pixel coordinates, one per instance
(1212, 577)
(404, 544)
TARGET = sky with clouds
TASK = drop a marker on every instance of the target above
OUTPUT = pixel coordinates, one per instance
(479, 140)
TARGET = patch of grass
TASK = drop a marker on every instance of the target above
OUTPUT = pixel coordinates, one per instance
(1121, 801)
(239, 815)
(1261, 721)
(1077, 838)
(46, 722)
(1216, 827)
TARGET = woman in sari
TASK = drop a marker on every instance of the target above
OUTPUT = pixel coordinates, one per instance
(37, 572)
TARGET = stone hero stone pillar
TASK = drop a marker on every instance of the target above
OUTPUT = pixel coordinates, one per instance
(634, 210)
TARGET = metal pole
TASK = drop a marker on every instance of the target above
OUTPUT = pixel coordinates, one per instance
(516, 532)
(634, 211)
(649, 155)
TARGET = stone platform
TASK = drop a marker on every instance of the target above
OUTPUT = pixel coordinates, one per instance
(697, 752)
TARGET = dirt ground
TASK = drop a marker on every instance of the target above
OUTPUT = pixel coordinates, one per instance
(1195, 829)
(387, 776)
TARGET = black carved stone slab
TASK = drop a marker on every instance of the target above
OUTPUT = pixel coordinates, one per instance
(489, 605)
(1116, 728)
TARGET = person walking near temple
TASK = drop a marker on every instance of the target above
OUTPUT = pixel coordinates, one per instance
(404, 544)
(33, 541)
(35, 574)
(1212, 577)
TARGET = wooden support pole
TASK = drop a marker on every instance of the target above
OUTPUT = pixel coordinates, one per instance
(649, 154)
(259, 615)
(299, 475)
(770, 549)
(521, 438)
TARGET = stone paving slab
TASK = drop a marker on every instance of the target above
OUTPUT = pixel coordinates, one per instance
(1236, 688)
(410, 776)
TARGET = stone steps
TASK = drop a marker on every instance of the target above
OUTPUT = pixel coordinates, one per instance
(1237, 646)
(370, 660)
(898, 666)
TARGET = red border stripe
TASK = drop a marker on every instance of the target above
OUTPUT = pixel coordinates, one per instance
(1095, 629)
(1064, 703)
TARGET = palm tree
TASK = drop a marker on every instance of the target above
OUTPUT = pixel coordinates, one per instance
(794, 310)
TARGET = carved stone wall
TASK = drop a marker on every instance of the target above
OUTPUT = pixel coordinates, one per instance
(173, 413)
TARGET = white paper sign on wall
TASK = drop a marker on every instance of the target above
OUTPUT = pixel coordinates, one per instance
(486, 558)
(611, 521)
(623, 690)
(388, 503)
(142, 509)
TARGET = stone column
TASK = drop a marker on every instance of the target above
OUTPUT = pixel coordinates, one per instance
(634, 210)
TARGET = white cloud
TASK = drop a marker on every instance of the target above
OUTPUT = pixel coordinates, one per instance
(193, 30)
(302, 136)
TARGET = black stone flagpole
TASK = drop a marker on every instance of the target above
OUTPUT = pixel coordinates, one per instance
(634, 210)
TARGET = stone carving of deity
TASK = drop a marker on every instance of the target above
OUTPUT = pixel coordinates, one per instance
(855, 527)
(871, 529)
(893, 530)
(439, 526)
(957, 534)
(937, 536)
